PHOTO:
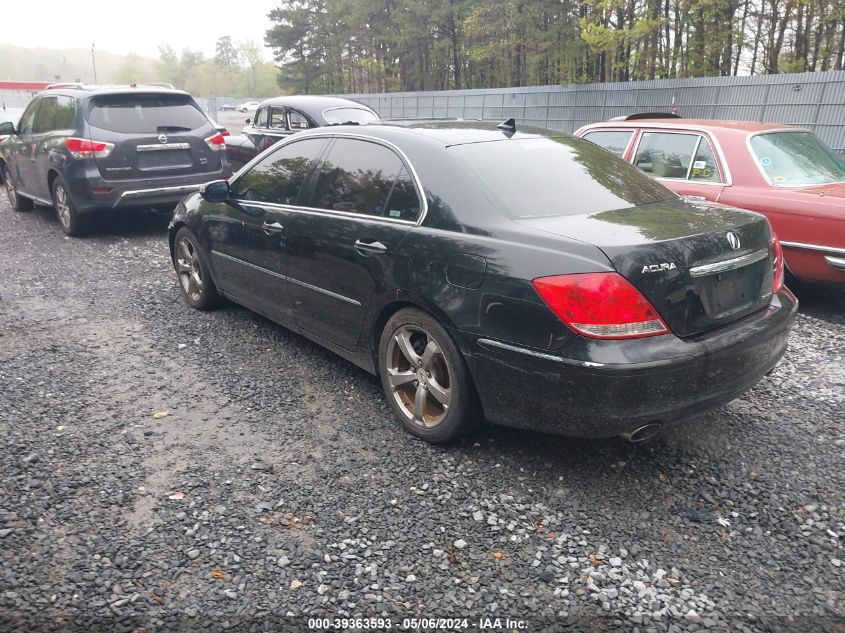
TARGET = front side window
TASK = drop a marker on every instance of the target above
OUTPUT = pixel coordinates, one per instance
(277, 119)
(28, 117)
(279, 177)
(365, 178)
(261, 118)
(665, 155)
(614, 141)
(796, 158)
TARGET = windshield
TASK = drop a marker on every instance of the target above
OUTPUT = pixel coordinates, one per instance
(796, 158)
(539, 177)
(338, 116)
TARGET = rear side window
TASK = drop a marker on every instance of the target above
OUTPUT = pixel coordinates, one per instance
(539, 177)
(365, 178)
(56, 113)
(297, 120)
(614, 141)
(279, 177)
(146, 114)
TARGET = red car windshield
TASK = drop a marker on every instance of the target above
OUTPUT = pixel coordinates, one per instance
(796, 159)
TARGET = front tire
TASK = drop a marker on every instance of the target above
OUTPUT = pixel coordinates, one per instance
(425, 379)
(72, 222)
(18, 202)
(195, 280)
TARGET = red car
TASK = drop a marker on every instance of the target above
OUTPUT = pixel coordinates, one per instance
(783, 172)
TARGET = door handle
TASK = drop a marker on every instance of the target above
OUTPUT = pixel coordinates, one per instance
(271, 228)
(369, 248)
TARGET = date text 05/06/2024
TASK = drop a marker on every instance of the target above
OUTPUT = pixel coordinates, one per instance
(415, 624)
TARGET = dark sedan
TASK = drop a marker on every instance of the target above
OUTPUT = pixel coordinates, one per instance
(525, 277)
(277, 118)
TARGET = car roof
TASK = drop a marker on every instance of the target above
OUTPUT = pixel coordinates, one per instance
(83, 90)
(307, 102)
(697, 124)
(449, 132)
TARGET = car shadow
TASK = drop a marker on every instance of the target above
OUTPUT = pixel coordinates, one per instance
(136, 223)
(823, 301)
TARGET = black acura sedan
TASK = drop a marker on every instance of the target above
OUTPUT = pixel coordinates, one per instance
(521, 276)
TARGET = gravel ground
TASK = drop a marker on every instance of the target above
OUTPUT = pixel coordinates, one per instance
(166, 469)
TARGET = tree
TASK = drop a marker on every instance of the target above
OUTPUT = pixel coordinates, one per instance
(226, 55)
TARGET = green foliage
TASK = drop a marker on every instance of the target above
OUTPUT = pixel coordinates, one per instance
(382, 45)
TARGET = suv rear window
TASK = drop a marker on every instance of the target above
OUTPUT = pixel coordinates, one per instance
(146, 114)
(538, 177)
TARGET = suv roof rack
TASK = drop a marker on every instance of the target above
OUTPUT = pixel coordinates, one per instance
(65, 84)
(647, 115)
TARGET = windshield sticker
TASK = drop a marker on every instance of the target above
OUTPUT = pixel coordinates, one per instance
(765, 161)
(395, 214)
(699, 164)
(780, 179)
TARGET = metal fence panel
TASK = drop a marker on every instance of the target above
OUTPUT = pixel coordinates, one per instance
(813, 100)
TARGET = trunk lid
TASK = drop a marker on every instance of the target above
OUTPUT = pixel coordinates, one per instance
(154, 135)
(682, 258)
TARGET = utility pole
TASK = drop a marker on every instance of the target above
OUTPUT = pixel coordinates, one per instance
(94, 63)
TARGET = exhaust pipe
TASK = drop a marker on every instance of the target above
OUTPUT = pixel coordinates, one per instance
(642, 433)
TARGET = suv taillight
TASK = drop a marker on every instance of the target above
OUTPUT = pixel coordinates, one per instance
(777, 264)
(217, 142)
(600, 305)
(84, 148)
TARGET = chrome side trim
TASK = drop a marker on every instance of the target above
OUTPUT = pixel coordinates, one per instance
(835, 262)
(140, 193)
(728, 264)
(249, 265)
(486, 342)
(325, 212)
(354, 302)
(814, 247)
(335, 295)
(160, 147)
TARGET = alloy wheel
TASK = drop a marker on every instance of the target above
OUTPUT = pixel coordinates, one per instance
(189, 269)
(62, 205)
(418, 375)
(10, 188)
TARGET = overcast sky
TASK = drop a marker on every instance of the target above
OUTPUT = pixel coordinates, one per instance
(135, 26)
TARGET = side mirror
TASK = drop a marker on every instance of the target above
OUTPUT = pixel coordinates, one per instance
(216, 191)
(7, 128)
(247, 121)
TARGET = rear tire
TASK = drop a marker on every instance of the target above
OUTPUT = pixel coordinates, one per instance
(72, 222)
(425, 379)
(195, 280)
(18, 202)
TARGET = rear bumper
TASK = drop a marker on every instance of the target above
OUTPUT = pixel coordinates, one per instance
(667, 380)
(90, 192)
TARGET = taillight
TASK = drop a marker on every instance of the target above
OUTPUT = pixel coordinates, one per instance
(84, 148)
(777, 264)
(600, 305)
(224, 132)
(217, 142)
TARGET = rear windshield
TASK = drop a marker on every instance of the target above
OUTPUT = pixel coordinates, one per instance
(337, 116)
(146, 114)
(796, 158)
(539, 177)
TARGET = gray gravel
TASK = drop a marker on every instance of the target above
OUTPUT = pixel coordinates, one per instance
(166, 469)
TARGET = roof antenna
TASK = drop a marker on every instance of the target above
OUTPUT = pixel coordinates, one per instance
(508, 127)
